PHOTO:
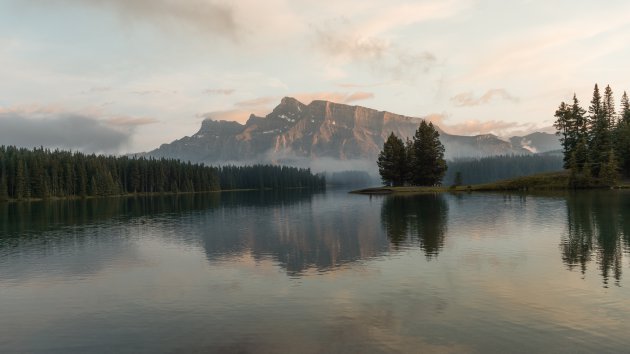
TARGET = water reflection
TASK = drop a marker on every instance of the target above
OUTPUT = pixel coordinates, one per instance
(420, 218)
(307, 234)
(23, 220)
(285, 226)
(302, 231)
(598, 230)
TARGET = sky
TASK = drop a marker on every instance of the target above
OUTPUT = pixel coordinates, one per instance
(120, 76)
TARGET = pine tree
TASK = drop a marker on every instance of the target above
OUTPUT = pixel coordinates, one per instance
(625, 108)
(578, 117)
(595, 110)
(4, 188)
(600, 142)
(20, 181)
(428, 165)
(458, 179)
(409, 153)
(581, 154)
(609, 174)
(93, 187)
(608, 107)
(622, 146)
(565, 128)
(392, 161)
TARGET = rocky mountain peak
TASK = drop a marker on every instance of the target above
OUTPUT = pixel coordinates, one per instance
(294, 131)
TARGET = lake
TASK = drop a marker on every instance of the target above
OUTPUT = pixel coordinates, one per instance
(299, 272)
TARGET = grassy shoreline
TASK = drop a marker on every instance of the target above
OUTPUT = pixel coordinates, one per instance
(551, 181)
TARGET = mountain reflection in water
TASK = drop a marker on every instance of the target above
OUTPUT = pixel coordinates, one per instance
(301, 230)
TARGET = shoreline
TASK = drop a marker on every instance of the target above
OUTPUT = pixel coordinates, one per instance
(151, 194)
(553, 181)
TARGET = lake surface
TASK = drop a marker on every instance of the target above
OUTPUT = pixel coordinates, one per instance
(297, 272)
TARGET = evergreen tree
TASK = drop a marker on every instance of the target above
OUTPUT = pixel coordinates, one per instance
(625, 108)
(582, 154)
(4, 187)
(600, 142)
(93, 187)
(622, 146)
(608, 107)
(565, 128)
(428, 165)
(595, 110)
(578, 116)
(409, 152)
(458, 179)
(20, 181)
(609, 174)
(392, 161)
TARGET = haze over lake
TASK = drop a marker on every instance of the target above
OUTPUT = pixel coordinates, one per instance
(317, 273)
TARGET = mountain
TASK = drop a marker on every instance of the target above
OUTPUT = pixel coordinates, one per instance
(537, 142)
(294, 133)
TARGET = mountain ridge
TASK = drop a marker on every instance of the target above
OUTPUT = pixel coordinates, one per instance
(295, 131)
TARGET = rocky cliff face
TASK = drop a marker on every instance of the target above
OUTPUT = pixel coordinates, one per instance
(322, 129)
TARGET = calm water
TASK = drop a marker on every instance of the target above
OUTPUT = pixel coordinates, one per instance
(317, 273)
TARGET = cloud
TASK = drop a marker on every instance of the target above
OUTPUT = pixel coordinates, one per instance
(358, 96)
(152, 92)
(338, 97)
(55, 128)
(261, 106)
(353, 85)
(235, 115)
(380, 55)
(224, 92)
(202, 15)
(97, 89)
(476, 127)
(368, 41)
(257, 102)
(467, 99)
(306, 98)
(125, 121)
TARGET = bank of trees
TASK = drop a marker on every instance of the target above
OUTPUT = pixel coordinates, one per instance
(418, 162)
(269, 177)
(495, 168)
(596, 142)
(42, 173)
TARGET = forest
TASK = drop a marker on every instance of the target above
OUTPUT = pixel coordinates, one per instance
(41, 173)
(596, 143)
(495, 168)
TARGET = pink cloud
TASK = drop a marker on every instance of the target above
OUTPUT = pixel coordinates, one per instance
(496, 127)
(467, 99)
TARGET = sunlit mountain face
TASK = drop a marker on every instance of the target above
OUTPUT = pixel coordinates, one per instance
(294, 132)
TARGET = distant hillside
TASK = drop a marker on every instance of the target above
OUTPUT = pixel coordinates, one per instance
(325, 131)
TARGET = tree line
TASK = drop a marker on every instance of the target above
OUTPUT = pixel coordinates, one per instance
(495, 168)
(42, 173)
(418, 161)
(596, 143)
(269, 177)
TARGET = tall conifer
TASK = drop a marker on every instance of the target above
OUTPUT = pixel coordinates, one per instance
(600, 141)
(625, 108)
(428, 165)
(392, 161)
(608, 107)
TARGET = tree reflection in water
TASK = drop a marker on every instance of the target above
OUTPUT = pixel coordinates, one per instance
(418, 218)
(598, 228)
